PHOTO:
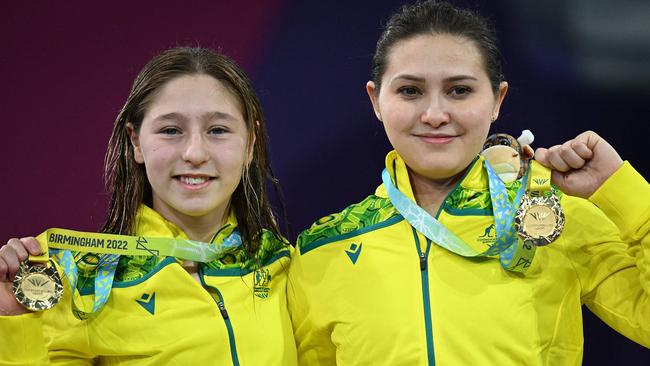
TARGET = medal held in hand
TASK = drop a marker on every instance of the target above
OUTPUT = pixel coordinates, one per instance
(37, 287)
(539, 219)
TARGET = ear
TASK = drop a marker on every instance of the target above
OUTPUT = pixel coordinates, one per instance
(371, 89)
(499, 97)
(527, 152)
(135, 142)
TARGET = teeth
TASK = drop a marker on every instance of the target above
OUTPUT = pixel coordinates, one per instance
(193, 180)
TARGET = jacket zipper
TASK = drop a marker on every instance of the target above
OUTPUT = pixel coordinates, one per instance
(424, 272)
(226, 318)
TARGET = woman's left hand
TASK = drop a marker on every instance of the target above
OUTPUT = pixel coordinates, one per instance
(580, 165)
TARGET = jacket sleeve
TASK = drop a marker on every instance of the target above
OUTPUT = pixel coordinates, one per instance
(44, 338)
(22, 340)
(613, 258)
(313, 338)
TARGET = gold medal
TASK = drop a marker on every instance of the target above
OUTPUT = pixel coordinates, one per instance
(37, 287)
(539, 219)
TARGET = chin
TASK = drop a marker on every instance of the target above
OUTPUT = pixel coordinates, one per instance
(440, 168)
(194, 210)
(199, 212)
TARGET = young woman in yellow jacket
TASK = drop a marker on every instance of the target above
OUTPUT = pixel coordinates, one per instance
(194, 271)
(429, 269)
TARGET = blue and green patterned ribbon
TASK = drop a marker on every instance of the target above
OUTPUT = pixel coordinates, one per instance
(506, 244)
(103, 279)
(109, 258)
(517, 255)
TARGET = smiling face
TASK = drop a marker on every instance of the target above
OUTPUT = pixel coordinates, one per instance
(436, 103)
(193, 143)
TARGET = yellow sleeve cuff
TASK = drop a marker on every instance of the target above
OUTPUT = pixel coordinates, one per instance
(625, 199)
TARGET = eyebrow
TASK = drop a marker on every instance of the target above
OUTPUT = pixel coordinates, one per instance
(217, 116)
(407, 77)
(421, 79)
(209, 116)
(460, 77)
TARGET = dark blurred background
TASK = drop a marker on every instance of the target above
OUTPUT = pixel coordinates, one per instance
(67, 68)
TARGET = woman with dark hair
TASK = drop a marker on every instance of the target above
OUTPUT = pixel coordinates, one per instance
(190, 265)
(446, 263)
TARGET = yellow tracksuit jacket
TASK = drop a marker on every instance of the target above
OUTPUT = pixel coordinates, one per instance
(365, 288)
(157, 314)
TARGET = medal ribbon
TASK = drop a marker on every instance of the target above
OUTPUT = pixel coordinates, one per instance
(539, 194)
(540, 182)
(517, 256)
(112, 246)
(506, 243)
(130, 245)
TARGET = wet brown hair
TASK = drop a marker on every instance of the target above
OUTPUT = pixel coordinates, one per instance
(126, 180)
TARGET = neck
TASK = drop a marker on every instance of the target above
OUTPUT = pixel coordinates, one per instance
(431, 193)
(199, 228)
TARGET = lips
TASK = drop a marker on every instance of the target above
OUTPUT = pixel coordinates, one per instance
(436, 138)
(193, 180)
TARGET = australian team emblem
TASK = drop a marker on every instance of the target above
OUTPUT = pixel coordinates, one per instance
(262, 278)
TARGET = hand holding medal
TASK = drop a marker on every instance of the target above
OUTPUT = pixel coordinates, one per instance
(539, 218)
(580, 165)
(36, 281)
(24, 285)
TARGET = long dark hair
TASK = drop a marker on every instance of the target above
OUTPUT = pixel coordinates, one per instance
(126, 181)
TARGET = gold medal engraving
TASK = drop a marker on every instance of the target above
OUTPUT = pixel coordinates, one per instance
(540, 219)
(37, 287)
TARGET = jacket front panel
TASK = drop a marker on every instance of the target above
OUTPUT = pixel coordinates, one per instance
(162, 315)
(367, 289)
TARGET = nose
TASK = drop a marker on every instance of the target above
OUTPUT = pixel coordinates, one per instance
(195, 149)
(435, 112)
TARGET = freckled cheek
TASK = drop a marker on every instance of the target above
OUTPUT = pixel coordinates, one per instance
(161, 150)
(158, 156)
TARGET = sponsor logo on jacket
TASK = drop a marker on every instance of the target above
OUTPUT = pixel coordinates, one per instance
(488, 236)
(262, 278)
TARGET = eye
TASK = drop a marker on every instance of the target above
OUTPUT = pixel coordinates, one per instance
(217, 130)
(460, 91)
(409, 91)
(504, 141)
(170, 131)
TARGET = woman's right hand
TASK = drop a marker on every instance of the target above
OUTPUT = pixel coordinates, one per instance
(11, 255)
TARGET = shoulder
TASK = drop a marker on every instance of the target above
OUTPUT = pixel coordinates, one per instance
(584, 213)
(370, 214)
(272, 246)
